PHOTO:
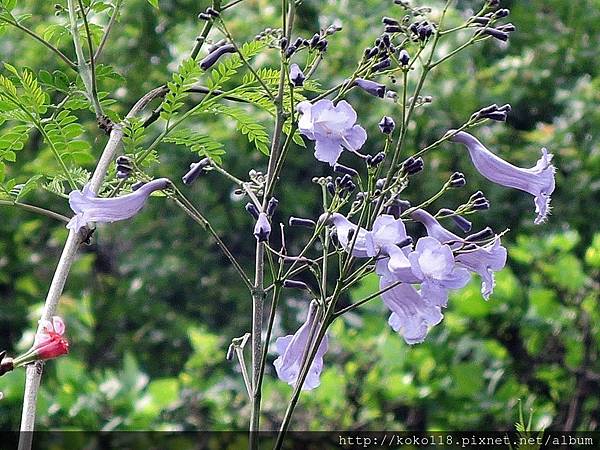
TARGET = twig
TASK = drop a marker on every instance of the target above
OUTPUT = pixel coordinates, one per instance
(109, 27)
(35, 209)
(84, 70)
(42, 41)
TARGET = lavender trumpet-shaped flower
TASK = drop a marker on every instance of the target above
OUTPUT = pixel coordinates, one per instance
(262, 229)
(333, 127)
(538, 180)
(371, 87)
(411, 316)
(90, 208)
(433, 263)
(292, 348)
(483, 260)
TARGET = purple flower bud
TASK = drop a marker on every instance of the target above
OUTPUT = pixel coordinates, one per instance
(480, 204)
(290, 51)
(500, 35)
(299, 222)
(299, 42)
(253, 210)
(505, 107)
(322, 45)
(457, 180)
(502, 13)
(385, 39)
(294, 284)
(482, 235)
(390, 21)
(382, 65)
(283, 43)
(380, 183)
(372, 53)
(213, 12)
(412, 166)
(214, 56)
(122, 174)
(387, 125)
(204, 16)
(377, 159)
(403, 57)
(509, 28)
(138, 184)
(498, 116)
(196, 169)
(460, 221)
(330, 188)
(296, 76)
(493, 3)
(481, 20)
(272, 206)
(262, 229)
(476, 195)
(314, 40)
(371, 87)
(339, 168)
(392, 29)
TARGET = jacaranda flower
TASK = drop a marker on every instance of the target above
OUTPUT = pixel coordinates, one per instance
(292, 348)
(483, 259)
(411, 316)
(89, 208)
(538, 180)
(333, 127)
(433, 263)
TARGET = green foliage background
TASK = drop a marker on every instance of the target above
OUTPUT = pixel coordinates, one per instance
(152, 305)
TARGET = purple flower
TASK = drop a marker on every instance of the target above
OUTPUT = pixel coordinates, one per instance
(89, 208)
(291, 350)
(433, 263)
(345, 233)
(262, 229)
(332, 127)
(411, 316)
(484, 260)
(538, 180)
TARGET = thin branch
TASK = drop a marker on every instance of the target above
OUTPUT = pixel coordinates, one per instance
(108, 29)
(42, 41)
(91, 50)
(84, 70)
(35, 209)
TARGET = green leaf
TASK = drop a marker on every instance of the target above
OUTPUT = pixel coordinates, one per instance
(28, 187)
(154, 3)
(198, 142)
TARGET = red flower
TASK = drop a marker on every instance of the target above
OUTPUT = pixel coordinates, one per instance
(49, 342)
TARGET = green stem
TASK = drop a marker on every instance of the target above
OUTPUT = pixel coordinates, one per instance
(35, 209)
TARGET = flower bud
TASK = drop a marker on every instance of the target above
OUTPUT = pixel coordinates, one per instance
(377, 159)
(214, 56)
(262, 229)
(296, 76)
(482, 235)
(498, 34)
(387, 125)
(371, 87)
(382, 65)
(460, 221)
(390, 21)
(392, 29)
(252, 209)
(339, 168)
(272, 206)
(299, 222)
(404, 57)
(457, 180)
